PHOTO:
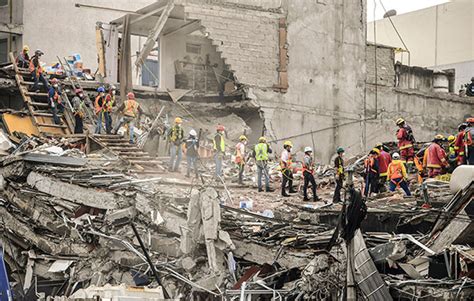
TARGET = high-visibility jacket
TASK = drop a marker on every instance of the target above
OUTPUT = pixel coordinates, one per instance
(219, 146)
(99, 104)
(339, 165)
(403, 139)
(384, 161)
(35, 65)
(54, 95)
(371, 165)
(468, 135)
(131, 108)
(109, 102)
(459, 145)
(261, 152)
(308, 164)
(436, 156)
(176, 134)
(396, 170)
(240, 153)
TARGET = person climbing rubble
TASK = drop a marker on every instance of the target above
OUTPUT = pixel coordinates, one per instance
(384, 161)
(176, 138)
(23, 59)
(436, 157)
(286, 171)
(203, 219)
(54, 97)
(468, 143)
(405, 142)
(308, 174)
(131, 111)
(339, 177)
(219, 149)
(192, 146)
(260, 152)
(37, 72)
(371, 173)
(99, 108)
(459, 145)
(78, 105)
(108, 108)
(397, 175)
(241, 157)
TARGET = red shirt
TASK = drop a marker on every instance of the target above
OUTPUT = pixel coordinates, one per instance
(402, 136)
(436, 157)
(384, 161)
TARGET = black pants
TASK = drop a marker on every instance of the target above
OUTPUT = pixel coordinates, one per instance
(79, 126)
(241, 173)
(57, 109)
(287, 177)
(309, 178)
(470, 155)
(337, 191)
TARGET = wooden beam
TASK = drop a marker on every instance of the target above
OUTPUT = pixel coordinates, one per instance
(154, 34)
(142, 17)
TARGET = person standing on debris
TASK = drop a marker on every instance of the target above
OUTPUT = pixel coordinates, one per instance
(192, 146)
(240, 157)
(371, 172)
(384, 160)
(261, 151)
(176, 137)
(339, 166)
(459, 146)
(54, 96)
(436, 157)
(79, 112)
(108, 108)
(308, 174)
(286, 172)
(37, 72)
(23, 59)
(468, 143)
(452, 160)
(219, 149)
(131, 111)
(99, 107)
(420, 162)
(405, 142)
(397, 175)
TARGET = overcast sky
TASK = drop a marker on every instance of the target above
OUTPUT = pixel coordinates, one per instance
(401, 6)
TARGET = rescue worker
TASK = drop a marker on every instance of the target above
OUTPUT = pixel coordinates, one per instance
(192, 146)
(470, 88)
(397, 175)
(405, 142)
(287, 173)
(131, 111)
(240, 157)
(54, 97)
(176, 139)
(459, 146)
(436, 157)
(99, 108)
(384, 161)
(420, 162)
(371, 172)
(308, 174)
(108, 107)
(219, 149)
(78, 105)
(261, 151)
(23, 59)
(452, 160)
(339, 166)
(468, 141)
(37, 72)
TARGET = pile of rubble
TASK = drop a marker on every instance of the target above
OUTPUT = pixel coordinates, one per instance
(74, 225)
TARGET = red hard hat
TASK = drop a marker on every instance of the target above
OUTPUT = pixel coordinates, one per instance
(220, 127)
(54, 81)
(470, 120)
(130, 95)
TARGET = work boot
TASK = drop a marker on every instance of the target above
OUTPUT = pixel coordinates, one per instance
(316, 199)
(292, 190)
(285, 194)
(305, 199)
(268, 189)
(260, 190)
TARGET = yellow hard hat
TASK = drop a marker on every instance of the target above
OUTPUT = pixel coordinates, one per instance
(288, 143)
(439, 137)
(178, 120)
(400, 121)
(451, 138)
(376, 150)
(242, 137)
(378, 144)
(26, 48)
(262, 139)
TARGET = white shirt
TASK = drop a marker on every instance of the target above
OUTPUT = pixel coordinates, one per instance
(285, 156)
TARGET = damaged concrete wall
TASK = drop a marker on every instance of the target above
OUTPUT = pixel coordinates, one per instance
(326, 73)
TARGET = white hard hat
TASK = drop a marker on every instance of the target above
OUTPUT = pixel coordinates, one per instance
(396, 156)
(308, 149)
(192, 132)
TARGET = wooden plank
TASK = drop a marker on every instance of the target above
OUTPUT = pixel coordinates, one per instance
(52, 125)
(99, 42)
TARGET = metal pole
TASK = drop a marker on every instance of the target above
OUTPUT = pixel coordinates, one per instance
(150, 263)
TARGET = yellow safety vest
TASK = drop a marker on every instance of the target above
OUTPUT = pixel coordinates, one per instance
(261, 152)
(131, 108)
(222, 144)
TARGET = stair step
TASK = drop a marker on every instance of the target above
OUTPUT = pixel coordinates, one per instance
(28, 83)
(144, 162)
(137, 157)
(39, 104)
(37, 94)
(125, 143)
(52, 125)
(46, 114)
(126, 153)
(131, 147)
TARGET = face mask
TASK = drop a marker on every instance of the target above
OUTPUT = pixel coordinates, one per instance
(55, 85)
(102, 93)
(113, 92)
(81, 95)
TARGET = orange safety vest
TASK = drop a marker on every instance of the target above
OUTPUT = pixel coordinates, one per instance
(56, 97)
(396, 170)
(369, 163)
(98, 108)
(286, 165)
(32, 67)
(131, 108)
(309, 169)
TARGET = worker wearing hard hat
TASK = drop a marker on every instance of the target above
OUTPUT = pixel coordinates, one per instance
(131, 111)
(23, 59)
(468, 141)
(240, 157)
(176, 138)
(308, 174)
(405, 142)
(339, 177)
(384, 161)
(371, 172)
(397, 175)
(261, 151)
(436, 157)
(286, 171)
(452, 160)
(34, 67)
(459, 144)
(192, 146)
(219, 149)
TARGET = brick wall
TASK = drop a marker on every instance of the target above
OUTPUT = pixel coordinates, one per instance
(247, 40)
(385, 65)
